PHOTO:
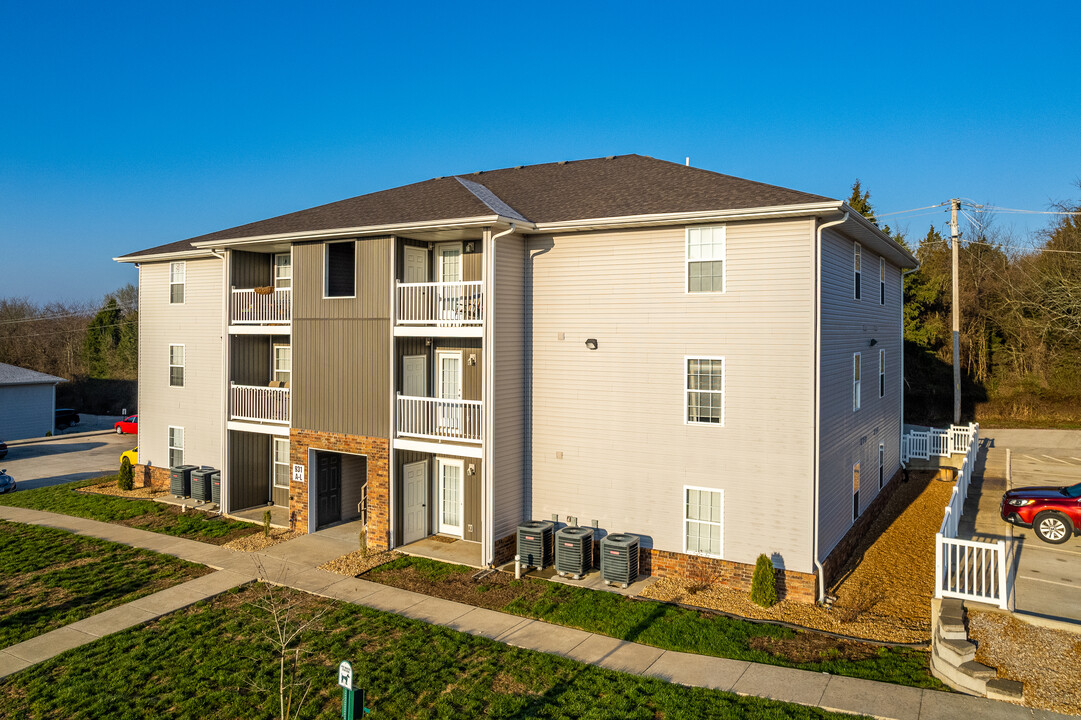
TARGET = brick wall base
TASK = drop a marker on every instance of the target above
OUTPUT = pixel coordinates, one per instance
(505, 549)
(791, 585)
(377, 452)
(842, 551)
(148, 476)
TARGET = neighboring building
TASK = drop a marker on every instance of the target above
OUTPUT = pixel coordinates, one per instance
(711, 363)
(27, 402)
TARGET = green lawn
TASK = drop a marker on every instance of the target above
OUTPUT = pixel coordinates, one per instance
(659, 624)
(210, 662)
(50, 578)
(144, 514)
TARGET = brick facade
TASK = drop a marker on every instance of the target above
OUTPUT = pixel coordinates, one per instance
(505, 549)
(842, 551)
(149, 476)
(662, 563)
(377, 452)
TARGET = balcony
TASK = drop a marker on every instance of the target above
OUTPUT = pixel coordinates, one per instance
(259, 404)
(249, 306)
(440, 305)
(437, 419)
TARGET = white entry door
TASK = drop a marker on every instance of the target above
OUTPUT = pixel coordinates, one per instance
(449, 387)
(416, 264)
(448, 258)
(416, 501)
(414, 372)
(450, 496)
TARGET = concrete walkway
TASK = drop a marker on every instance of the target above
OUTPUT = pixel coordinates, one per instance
(294, 564)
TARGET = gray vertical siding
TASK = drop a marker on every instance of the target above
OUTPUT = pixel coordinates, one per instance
(848, 436)
(250, 359)
(249, 469)
(472, 375)
(26, 411)
(511, 372)
(249, 269)
(372, 290)
(615, 415)
(197, 324)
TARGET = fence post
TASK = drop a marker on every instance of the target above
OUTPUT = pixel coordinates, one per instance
(938, 565)
(1003, 587)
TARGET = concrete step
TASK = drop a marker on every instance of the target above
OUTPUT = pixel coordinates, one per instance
(970, 677)
(1007, 690)
(955, 652)
(952, 630)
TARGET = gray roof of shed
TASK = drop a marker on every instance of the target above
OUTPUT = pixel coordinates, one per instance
(15, 375)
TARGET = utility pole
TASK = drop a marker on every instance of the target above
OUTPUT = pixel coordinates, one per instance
(955, 237)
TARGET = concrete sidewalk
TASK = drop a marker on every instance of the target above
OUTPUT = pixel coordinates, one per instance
(294, 564)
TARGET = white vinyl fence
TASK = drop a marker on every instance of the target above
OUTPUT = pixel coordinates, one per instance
(965, 569)
(264, 404)
(439, 419)
(441, 303)
(248, 307)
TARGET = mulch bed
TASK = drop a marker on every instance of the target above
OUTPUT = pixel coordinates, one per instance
(494, 592)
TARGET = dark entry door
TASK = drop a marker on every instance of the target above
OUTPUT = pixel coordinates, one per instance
(329, 479)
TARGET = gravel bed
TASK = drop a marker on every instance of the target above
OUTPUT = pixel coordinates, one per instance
(359, 562)
(259, 541)
(885, 592)
(110, 488)
(1047, 661)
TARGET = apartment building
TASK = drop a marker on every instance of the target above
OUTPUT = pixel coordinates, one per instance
(711, 363)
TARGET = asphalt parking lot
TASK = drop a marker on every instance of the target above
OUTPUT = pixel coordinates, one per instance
(65, 459)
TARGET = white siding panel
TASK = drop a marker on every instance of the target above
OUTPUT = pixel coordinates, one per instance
(196, 324)
(617, 413)
(511, 372)
(848, 436)
(26, 411)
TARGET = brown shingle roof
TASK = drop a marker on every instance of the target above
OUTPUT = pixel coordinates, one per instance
(599, 188)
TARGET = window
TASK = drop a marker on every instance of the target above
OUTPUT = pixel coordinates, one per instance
(176, 446)
(340, 275)
(702, 521)
(882, 281)
(881, 465)
(176, 365)
(855, 382)
(283, 363)
(705, 259)
(705, 391)
(857, 266)
(281, 462)
(882, 373)
(283, 270)
(855, 492)
(176, 282)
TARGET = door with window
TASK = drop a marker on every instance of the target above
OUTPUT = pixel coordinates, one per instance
(328, 488)
(279, 481)
(415, 490)
(448, 258)
(449, 389)
(450, 496)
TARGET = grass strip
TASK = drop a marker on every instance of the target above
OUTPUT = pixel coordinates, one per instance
(50, 578)
(212, 662)
(143, 514)
(661, 625)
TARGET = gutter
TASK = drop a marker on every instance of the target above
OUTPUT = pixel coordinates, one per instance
(820, 585)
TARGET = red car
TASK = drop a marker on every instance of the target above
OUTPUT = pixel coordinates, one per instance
(1054, 513)
(127, 426)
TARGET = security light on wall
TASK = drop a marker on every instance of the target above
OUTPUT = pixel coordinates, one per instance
(469, 247)
(591, 343)
(874, 342)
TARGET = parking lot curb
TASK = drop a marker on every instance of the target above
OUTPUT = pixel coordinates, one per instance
(34, 441)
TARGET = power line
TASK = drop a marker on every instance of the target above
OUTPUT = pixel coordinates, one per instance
(65, 332)
(62, 317)
(902, 212)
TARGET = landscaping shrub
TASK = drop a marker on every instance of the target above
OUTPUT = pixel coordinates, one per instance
(126, 479)
(764, 583)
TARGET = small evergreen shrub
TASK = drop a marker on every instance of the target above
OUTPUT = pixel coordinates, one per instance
(764, 583)
(126, 479)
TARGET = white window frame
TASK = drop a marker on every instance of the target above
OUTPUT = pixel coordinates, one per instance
(177, 448)
(723, 259)
(326, 270)
(857, 380)
(881, 465)
(882, 281)
(857, 271)
(687, 391)
(274, 463)
(274, 361)
(274, 270)
(856, 492)
(882, 373)
(686, 521)
(182, 283)
(183, 362)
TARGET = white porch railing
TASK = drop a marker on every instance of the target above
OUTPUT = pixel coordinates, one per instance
(449, 304)
(965, 569)
(248, 307)
(259, 404)
(437, 419)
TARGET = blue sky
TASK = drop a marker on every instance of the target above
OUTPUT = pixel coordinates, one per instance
(127, 125)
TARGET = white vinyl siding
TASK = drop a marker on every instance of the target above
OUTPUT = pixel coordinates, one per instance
(281, 462)
(176, 446)
(857, 271)
(703, 529)
(283, 270)
(177, 272)
(176, 366)
(705, 391)
(706, 259)
(856, 370)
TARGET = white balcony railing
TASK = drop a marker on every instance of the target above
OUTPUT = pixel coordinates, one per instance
(248, 307)
(259, 404)
(446, 304)
(437, 419)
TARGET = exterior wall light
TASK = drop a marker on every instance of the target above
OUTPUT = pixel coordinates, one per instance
(591, 343)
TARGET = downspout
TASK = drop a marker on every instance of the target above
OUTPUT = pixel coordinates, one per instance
(226, 339)
(488, 536)
(821, 582)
